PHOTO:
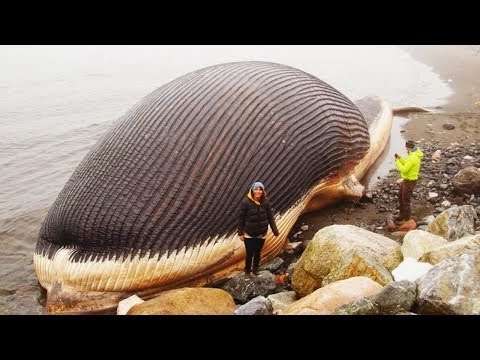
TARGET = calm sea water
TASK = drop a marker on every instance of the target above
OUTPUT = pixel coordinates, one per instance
(56, 101)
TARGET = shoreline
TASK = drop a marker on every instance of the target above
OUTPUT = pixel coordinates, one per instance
(459, 66)
(425, 128)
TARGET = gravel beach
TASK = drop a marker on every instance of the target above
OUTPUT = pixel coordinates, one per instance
(460, 66)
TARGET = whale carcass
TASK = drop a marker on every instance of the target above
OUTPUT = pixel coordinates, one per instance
(154, 203)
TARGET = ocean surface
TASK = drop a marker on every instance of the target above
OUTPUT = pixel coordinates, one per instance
(56, 101)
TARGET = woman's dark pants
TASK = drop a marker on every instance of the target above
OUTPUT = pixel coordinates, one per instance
(253, 248)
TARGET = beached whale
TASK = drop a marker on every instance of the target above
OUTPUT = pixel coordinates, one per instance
(154, 204)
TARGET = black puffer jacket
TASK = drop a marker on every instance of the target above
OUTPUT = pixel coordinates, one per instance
(254, 219)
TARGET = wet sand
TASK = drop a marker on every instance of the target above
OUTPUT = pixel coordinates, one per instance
(459, 65)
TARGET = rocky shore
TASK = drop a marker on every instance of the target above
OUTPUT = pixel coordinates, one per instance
(389, 271)
(453, 137)
(452, 145)
(433, 194)
(435, 198)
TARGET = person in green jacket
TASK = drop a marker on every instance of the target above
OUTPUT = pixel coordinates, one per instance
(409, 168)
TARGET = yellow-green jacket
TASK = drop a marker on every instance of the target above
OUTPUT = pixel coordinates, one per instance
(409, 166)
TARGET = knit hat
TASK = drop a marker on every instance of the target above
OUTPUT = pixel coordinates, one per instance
(257, 184)
(410, 144)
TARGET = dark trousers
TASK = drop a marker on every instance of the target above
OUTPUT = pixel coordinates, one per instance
(405, 197)
(253, 247)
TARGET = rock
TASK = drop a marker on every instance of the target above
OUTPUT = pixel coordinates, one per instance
(291, 268)
(361, 306)
(391, 226)
(396, 297)
(187, 301)
(432, 195)
(338, 252)
(452, 287)
(272, 265)
(437, 155)
(427, 220)
(418, 242)
(281, 300)
(281, 279)
(127, 304)
(467, 180)
(293, 245)
(326, 299)
(451, 249)
(367, 197)
(408, 226)
(454, 222)
(410, 269)
(242, 291)
(256, 306)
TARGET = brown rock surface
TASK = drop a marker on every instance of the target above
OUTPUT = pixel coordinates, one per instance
(187, 301)
(325, 300)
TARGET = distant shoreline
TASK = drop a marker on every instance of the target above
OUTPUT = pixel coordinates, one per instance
(459, 65)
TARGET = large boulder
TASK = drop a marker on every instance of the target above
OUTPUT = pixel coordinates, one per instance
(187, 301)
(396, 298)
(339, 252)
(451, 249)
(325, 300)
(454, 223)
(467, 180)
(417, 242)
(451, 287)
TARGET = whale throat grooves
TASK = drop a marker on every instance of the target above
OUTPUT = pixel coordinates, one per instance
(170, 173)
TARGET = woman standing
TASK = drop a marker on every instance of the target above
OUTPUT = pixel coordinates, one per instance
(255, 216)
